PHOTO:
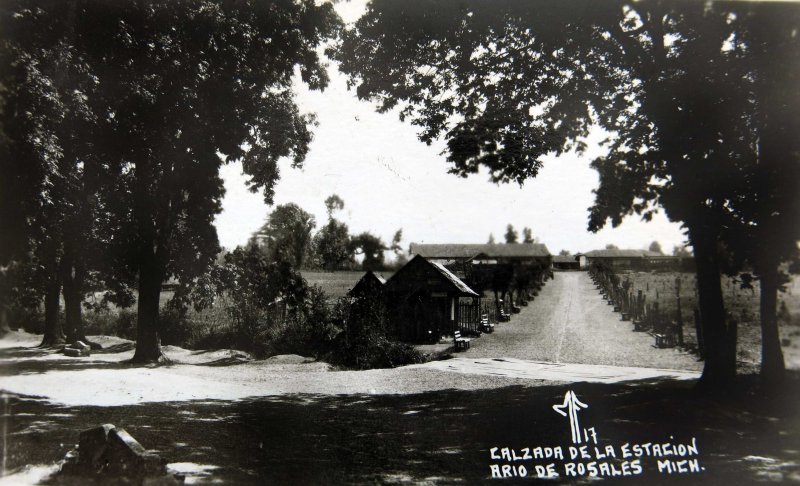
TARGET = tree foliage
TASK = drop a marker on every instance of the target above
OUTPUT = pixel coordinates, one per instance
(170, 91)
(371, 247)
(527, 235)
(691, 93)
(287, 234)
(511, 235)
(332, 245)
(655, 247)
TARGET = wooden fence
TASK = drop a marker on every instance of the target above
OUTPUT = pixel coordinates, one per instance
(469, 317)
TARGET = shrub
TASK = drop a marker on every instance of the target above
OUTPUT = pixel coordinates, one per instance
(121, 323)
(363, 342)
(31, 319)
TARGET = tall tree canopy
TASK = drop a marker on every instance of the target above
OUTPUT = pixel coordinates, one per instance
(680, 85)
(511, 235)
(655, 246)
(173, 89)
(332, 242)
(287, 234)
(527, 235)
(371, 247)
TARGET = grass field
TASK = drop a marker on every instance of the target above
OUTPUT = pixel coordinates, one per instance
(336, 284)
(741, 304)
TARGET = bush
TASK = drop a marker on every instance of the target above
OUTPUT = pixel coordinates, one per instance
(120, 323)
(31, 319)
(363, 342)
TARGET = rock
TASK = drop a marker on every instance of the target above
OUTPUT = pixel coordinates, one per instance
(78, 349)
(80, 345)
(76, 353)
(125, 456)
(111, 452)
(92, 446)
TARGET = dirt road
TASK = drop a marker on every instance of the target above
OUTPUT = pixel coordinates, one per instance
(568, 322)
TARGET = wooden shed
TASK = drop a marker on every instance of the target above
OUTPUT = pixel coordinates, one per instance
(371, 284)
(427, 301)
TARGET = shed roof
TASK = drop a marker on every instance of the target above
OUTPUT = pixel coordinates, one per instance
(370, 280)
(449, 277)
(464, 288)
(618, 253)
(490, 250)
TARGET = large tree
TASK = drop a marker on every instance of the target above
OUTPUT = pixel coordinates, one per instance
(332, 241)
(371, 247)
(287, 234)
(511, 235)
(48, 158)
(506, 83)
(767, 208)
(178, 89)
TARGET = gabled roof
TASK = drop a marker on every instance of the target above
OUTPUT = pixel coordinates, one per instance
(488, 250)
(448, 277)
(464, 288)
(369, 281)
(617, 253)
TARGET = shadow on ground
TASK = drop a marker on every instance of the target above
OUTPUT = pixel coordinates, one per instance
(437, 437)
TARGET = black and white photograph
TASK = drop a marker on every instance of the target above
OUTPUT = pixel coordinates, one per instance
(404, 242)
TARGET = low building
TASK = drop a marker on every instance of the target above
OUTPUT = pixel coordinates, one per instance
(427, 301)
(483, 253)
(566, 262)
(643, 260)
(669, 263)
(620, 259)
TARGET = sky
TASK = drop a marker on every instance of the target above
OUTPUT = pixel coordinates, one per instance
(390, 180)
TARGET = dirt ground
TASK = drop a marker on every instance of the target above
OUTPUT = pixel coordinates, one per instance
(436, 437)
(221, 417)
(568, 322)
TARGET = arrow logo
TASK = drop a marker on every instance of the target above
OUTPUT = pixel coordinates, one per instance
(571, 407)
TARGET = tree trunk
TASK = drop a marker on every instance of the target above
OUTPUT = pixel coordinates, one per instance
(772, 364)
(719, 337)
(72, 302)
(5, 327)
(53, 332)
(148, 341)
(73, 305)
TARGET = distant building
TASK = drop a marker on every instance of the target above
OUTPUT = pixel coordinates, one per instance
(426, 301)
(644, 260)
(619, 259)
(483, 253)
(566, 262)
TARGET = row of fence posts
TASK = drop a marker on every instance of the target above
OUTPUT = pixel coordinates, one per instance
(646, 317)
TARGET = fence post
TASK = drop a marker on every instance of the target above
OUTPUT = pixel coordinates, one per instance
(701, 349)
(680, 313)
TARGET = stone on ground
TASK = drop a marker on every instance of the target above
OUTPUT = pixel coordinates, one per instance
(107, 451)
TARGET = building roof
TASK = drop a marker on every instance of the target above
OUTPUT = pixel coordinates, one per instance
(370, 281)
(460, 285)
(565, 258)
(617, 253)
(488, 250)
(448, 277)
